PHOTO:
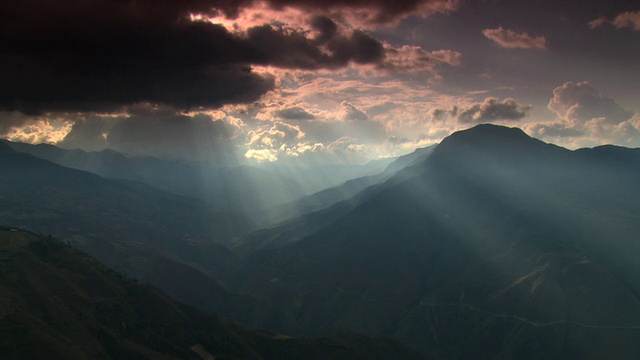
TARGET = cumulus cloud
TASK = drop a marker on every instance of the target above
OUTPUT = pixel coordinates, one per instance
(262, 155)
(512, 40)
(15, 126)
(346, 144)
(624, 20)
(492, 109)
(441, 115)
(582, 102)
(39, 131)
(414, 58)
(10, 120)
(265, 144)
(587, 118)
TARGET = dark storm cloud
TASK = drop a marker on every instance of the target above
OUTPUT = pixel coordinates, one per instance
(292, 49)
(99, 56)
(492, 109)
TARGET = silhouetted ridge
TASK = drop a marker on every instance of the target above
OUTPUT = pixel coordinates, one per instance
(611, 153)
(5, 148)
(494, 143)
(59, 303)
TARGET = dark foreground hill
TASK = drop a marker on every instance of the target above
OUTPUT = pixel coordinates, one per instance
(497, 246)
(57, 303)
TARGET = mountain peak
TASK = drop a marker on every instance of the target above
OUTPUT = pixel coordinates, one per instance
(487, 142)
(488, 133)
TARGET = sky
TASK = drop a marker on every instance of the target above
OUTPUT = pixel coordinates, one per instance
(314, 81)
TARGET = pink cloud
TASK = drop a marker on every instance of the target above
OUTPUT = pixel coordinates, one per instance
(597, 22)
(360, 13)
(414, 58)
(629, 20)
(512, 40)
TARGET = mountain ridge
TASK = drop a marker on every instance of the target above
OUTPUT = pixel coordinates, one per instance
(452, 253)
(60, 303)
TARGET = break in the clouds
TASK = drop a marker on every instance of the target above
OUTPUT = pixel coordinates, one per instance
(625, 20)
(512, 40)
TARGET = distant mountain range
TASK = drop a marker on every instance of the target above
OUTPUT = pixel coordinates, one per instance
(490, 245)
(247, 190)
(496, 245)
(57, 303)
(136, 229)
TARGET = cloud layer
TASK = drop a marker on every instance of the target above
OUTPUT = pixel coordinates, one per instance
(376, 12)
(312, 79)
(73, 57)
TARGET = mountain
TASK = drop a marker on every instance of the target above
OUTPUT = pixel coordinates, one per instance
(59, 303)
(243, 189)
(496, 246)
(324, 207)
(248, 190)
(346, 190)
(149, 234)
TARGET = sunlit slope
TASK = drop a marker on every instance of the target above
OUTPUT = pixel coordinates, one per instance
(496, 246)
(327, 197)
(57, 303)
(324, 207)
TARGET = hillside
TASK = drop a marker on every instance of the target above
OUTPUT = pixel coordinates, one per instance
(247, 190)
(59, 303)
(330, 196)
(496, 246)
(168, 240)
